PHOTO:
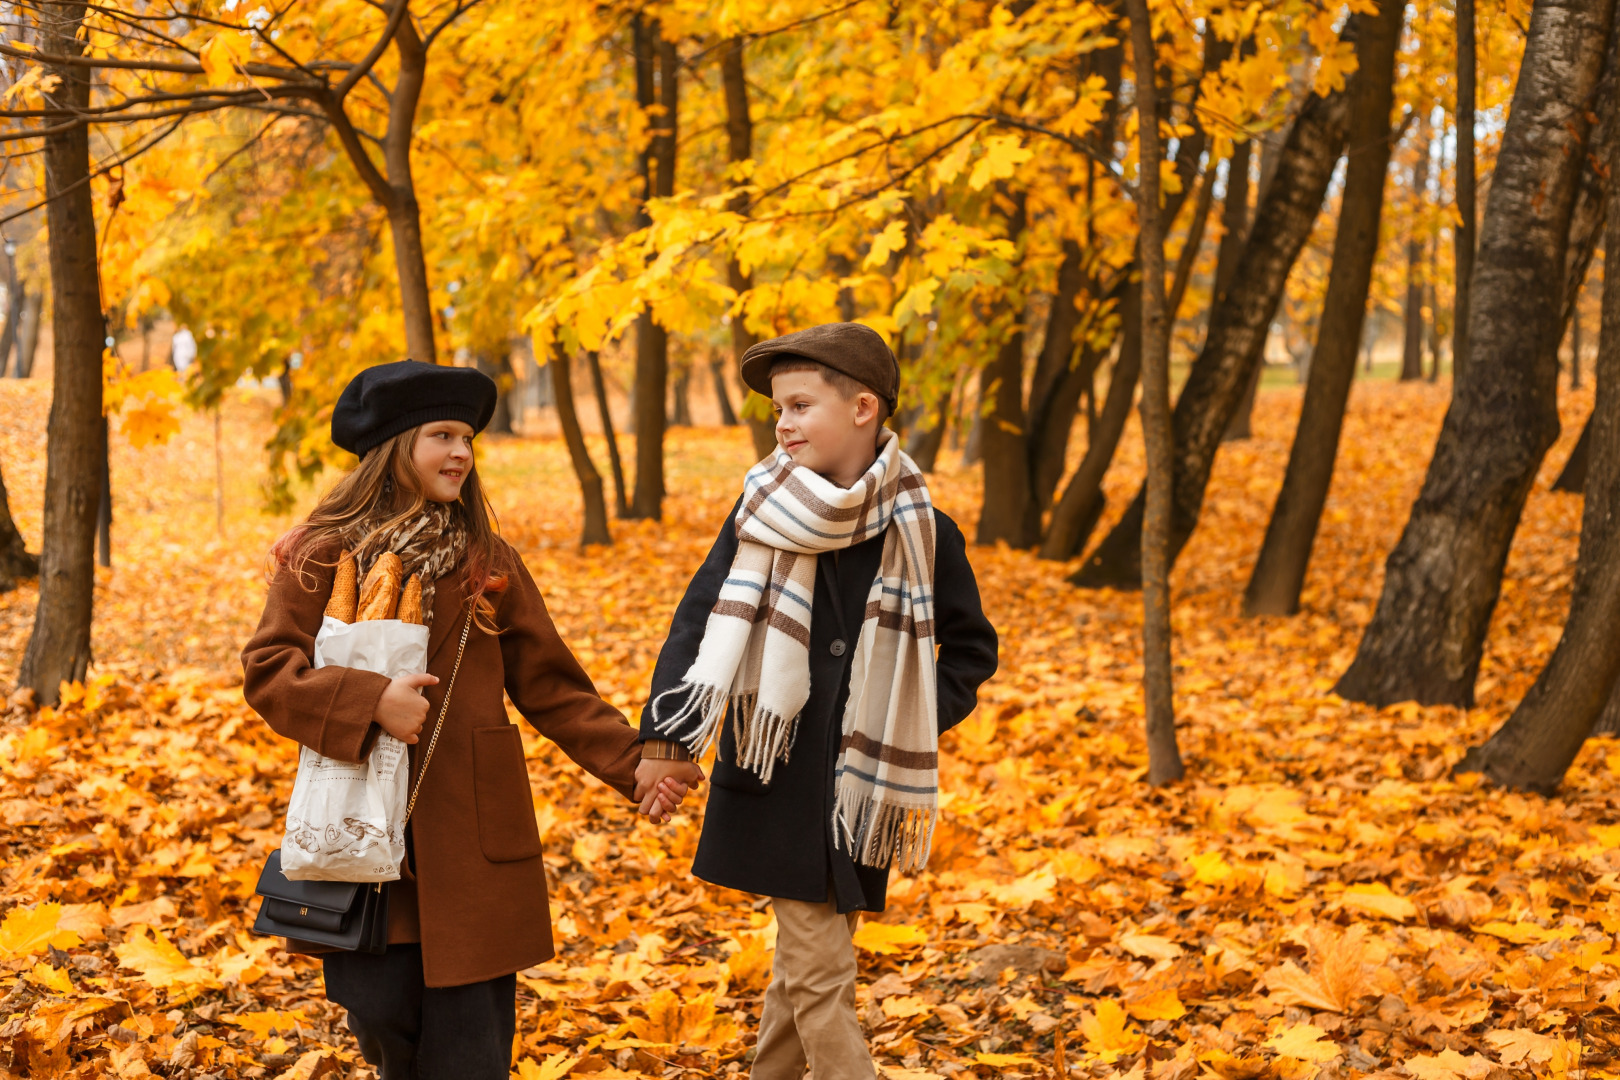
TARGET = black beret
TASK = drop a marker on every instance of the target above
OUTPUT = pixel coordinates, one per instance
(386, 399)
(850, 348)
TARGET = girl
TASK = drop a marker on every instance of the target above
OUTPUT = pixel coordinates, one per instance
(470, 907)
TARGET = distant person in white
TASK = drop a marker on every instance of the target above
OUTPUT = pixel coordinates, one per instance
(183, 349)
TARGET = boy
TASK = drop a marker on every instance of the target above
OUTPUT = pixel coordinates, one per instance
(806, 645)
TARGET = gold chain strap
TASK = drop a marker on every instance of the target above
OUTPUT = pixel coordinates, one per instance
(444, 706)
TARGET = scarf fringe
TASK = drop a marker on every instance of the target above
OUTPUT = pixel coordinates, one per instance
(764, 738)
(883, 834)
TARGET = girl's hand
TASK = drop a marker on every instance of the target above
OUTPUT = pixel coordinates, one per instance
(661, 785)
(402, 710)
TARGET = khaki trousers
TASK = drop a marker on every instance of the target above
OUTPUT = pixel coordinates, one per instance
(809, 1013)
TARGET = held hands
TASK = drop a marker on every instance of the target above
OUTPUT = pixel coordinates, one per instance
(661, 785)
(402, 710)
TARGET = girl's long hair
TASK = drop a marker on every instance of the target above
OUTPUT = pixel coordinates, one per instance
(384, 487)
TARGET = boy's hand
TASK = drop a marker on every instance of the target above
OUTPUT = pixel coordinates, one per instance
(402, 710)
(661, 785)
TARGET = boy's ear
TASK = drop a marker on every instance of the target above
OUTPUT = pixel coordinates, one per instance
(866, 406)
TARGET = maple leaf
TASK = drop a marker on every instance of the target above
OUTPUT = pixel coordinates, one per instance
(749, 968)
(262, 1023)
(1005, 1061)
(1158, 1005)
(1151, 946)
(1108, 1033)
(554, 1067)
(1002, 156)
(1448, 1065)
(888, 938)
(49, 978)
(1517, 1045)
(30, 930)
(1305, 1042)
(1377, 899)
(904, 1006)
(672, 1022)
(161, 964)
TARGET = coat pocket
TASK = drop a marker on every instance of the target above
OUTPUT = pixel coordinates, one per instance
(506, 828)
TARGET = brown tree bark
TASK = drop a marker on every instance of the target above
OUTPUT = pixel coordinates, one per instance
(1237, 333)
(599, 388)
(1535, 747)
(1412, 350)
(1004, 443)
(1573, 475)
(1164, 757)
(1078, 511)
(1279, 571)
(722, 396)
(652, 340)
(1442, 580)
(393, 186)
(15, 559)
(590, 481)
(28, 332)
(1465, 235)
(59, 647)
(740, 136)
(1235, 222)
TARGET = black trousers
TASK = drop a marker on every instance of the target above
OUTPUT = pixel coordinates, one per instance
(413, 1032)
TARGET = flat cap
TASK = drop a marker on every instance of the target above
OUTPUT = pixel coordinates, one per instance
(386, 399)
(850, 348)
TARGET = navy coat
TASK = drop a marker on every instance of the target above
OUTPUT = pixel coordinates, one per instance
(777, 840)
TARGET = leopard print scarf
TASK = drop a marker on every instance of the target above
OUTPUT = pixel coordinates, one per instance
(430, 543)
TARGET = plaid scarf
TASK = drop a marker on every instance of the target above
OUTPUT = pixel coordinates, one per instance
(755, 654)
(429, 543)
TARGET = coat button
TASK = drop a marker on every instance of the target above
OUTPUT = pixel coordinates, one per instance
(837, 648)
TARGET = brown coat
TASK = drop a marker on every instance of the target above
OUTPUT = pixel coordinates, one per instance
(477, 898)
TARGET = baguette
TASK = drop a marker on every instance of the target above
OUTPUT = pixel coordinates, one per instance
(410, 601)
(379, 595)
(345, 601)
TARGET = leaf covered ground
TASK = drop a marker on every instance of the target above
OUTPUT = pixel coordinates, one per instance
(1319, 897)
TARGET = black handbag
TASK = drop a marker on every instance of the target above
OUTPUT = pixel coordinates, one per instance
(348, 915)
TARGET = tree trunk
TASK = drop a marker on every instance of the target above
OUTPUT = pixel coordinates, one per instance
(728, 415)
(28, 332)
(1078, 511)
(599, 388)
(8, 333)
(1535, 747)
(1279, 572)
(1004, 445)
(1575, 349)
(652, 340)
(1412, 351)
(1164, 758)
(590, 481)
(1573, 476)
(1237, 332)
(681, 399)
(1465, 234)
(1442, 580)
(500, 423)
(15, 560)
(1235, 223)
(404, 216)
(59, 647)
(104, 506)
(1054, 397)
(740, 137)
(924, 443)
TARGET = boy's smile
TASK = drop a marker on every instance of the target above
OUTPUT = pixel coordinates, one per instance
(821, 429)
